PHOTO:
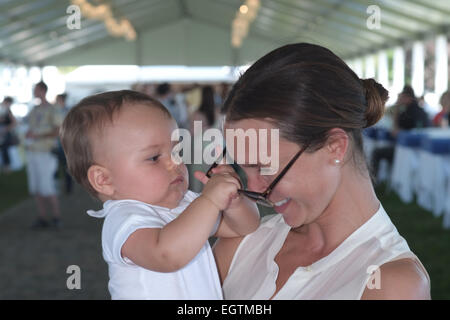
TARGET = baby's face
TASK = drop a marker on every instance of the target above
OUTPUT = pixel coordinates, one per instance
(136, 149)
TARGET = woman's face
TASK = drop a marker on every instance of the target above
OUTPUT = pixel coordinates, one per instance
(307, 188)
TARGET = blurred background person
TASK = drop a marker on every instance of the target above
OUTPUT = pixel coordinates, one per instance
(7, 136)
(173, 103)
(207, 111)
(44, 121)
(61, 104)
(407, 115)
(207, 116)
(222, 93)
(442, 118)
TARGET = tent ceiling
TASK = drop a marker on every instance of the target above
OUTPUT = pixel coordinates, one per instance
(197, 32)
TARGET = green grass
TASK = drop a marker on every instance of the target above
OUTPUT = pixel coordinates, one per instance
(13, 189)
(426, 238)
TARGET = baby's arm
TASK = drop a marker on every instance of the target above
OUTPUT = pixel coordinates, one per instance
(173, 246)
(241, 216)
(240, 220)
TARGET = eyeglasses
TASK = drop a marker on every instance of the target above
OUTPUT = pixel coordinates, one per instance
(262, 198)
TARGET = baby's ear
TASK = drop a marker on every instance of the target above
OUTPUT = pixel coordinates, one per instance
(100, 179)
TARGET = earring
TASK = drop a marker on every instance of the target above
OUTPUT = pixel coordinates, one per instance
(337, 161)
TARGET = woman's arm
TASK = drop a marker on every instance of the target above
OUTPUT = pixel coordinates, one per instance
(400, 280)
(224, 250)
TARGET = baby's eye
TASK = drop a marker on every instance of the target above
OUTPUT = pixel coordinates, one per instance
(154, 158)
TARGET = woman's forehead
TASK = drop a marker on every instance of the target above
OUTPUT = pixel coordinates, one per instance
(256, 141)
(260, 131)
(264, 123)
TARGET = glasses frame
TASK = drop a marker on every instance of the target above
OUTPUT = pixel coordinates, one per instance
(262, 198)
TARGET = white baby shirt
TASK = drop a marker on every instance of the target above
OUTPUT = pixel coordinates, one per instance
(197, 280)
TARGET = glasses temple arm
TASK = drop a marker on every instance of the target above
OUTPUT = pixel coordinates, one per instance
(288, 166)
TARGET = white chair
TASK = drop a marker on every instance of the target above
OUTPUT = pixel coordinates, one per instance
(434, 176)
(405, 165)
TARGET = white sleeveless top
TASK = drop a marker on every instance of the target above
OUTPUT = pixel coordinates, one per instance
(343, 274)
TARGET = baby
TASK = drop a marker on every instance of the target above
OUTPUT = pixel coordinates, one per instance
(155, 234)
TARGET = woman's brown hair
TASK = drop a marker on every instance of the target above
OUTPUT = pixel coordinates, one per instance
(306, 90)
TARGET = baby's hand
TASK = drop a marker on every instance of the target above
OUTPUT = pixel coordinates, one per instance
(236, 200)
(222, 187)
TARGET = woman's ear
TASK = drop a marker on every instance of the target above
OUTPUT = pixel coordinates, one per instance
(337, 145)
(100, 179)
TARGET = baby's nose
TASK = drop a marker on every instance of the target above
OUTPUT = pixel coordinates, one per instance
(173, 164)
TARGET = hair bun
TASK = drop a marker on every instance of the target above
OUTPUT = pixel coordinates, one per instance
(376, 97)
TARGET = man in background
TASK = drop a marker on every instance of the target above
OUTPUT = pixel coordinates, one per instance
(44, 121)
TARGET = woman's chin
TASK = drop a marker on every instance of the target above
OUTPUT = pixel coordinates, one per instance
(287, 218)
(293, 218)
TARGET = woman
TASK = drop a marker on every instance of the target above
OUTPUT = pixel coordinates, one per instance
(332, 238)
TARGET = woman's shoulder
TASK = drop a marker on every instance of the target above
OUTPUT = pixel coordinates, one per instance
(402, 279)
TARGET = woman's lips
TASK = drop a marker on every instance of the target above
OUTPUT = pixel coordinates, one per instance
(178, 179)
(282, 205)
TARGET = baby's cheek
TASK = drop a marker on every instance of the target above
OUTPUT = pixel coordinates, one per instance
(157, 181)
(162, 181)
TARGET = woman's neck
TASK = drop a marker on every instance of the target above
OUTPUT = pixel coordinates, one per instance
(353, 204)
